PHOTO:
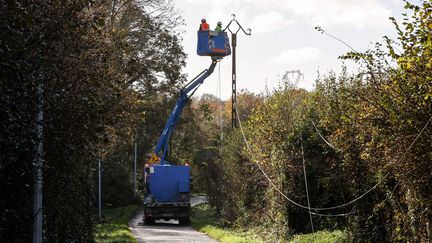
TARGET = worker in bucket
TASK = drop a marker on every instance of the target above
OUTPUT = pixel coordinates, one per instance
(218, 27)
(204, 26)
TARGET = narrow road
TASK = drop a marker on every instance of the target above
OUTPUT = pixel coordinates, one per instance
(167, 231)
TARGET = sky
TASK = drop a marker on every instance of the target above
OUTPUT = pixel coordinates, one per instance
(284, 38)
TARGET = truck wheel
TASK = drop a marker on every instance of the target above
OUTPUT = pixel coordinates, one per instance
(149, 221)
(184, 221)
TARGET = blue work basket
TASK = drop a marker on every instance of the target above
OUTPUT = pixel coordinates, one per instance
(212, 43)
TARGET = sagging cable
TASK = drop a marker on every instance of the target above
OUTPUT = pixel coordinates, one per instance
(325, 208)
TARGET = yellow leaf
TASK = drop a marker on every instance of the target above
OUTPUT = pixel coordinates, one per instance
(429, 64)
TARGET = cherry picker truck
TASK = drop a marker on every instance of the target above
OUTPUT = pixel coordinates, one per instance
(167, 187)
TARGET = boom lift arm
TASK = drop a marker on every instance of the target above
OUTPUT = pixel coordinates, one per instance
(190, 88)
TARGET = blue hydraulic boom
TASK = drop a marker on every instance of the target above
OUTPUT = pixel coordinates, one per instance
(190, 88)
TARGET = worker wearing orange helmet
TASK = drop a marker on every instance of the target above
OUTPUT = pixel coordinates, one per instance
(204, 26)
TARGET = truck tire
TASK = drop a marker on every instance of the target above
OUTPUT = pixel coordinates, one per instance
(184, 221)
(149, 221)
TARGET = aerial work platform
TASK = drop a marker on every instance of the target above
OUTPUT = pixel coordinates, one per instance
(167, 187)
(213, 43)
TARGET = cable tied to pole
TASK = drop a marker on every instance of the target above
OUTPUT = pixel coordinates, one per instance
(324, 208)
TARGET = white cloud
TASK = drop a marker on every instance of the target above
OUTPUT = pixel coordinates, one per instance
(223, 15)
(220, 3)
(270, 21)
(358, 13)
(300, 56)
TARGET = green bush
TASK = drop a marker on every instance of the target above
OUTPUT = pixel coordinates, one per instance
(337, 236)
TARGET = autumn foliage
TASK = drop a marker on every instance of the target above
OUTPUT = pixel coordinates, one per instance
(366, 140)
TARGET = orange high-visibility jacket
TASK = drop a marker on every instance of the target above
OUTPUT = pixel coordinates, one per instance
(204, 27)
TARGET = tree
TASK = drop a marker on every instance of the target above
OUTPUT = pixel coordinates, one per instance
(82, 53)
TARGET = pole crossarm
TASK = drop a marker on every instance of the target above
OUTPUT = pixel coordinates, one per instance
(239, 27)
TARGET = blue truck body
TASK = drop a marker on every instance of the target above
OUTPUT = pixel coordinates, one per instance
(168, 182)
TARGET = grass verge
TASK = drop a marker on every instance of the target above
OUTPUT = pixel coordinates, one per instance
(203, 219)
(114, 226)
(336, 236)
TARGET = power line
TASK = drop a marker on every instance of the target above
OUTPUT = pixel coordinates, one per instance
(329, 144)
(386, 175)
(318, 28)
(277, 189)
(219, 93)
(261, 169)
(306, 184)
(335, 215)
(325, 208)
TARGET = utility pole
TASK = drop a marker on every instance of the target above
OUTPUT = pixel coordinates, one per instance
(100, 188)
(234, 77)
(38, 161)
(135, 163)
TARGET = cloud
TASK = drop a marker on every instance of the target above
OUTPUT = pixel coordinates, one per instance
(218, 3)
(357, 13)
(300, 56)
(223, 15)
(270, 21)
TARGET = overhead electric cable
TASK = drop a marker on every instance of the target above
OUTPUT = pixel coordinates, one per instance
(326, 208)
(261, 169)
(306, 184)
(219, 91)
(333, 215)
(329, 144)
(386, 175)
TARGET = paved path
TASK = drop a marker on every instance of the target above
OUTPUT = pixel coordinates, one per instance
(167, 231)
